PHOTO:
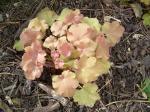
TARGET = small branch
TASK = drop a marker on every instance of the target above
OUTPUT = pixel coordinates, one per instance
(51, 92)
(47, 108)
(122, 101)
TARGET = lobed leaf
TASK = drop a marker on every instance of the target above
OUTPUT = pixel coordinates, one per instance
(38, 25)
(146, 87)
(87, 95)
(65, 49)
(146, 19)
(89, 68)
(113, 31)
(65, 84)
(18, 45)
(68, 16)
(33, 61)
(28, 36)
(93, 23)
(47, 15)
(102, 50)
(64, 13)
(84, 31)
(50, 42)
(86, 47)
(58, 28)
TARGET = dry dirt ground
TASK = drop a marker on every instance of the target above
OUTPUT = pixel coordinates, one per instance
(119, 89)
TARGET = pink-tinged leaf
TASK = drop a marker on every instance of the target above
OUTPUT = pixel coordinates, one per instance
(55, 54)
(65, 84)
(73, 17)
(113, 31)
(102, 50)
(28, 36)
(65, 49)
(69, 16)
(59, 63)
(50, 42)
(58, 28)
(33, 60)
(86, 46)
(79, 31)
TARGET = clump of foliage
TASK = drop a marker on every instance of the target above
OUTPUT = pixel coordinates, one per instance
(78, 45)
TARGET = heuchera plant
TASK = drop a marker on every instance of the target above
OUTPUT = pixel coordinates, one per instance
(78, 45)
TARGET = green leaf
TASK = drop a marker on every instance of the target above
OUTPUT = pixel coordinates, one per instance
(146, 19)
(64, 13)
(47, 15)
(87, 95)
(146, 2)
(18, 45)
(146, 87)
(92, 22)
(4, 107)
(137, 9)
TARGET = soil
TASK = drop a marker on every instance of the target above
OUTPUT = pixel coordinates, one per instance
(119, 90)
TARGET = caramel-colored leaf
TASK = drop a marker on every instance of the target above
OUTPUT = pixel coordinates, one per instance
(28, 36)
(33, 60)
(65, 84)
(79, 31)
(102, 50)
(113, 31)
(58, 28)
(38, 25)
(50, 42)
(86, 47)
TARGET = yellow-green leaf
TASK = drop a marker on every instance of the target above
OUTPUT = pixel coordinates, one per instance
(47, 15)
(92, 22)
(18, 45)
(90, 68)
(146, 2)
(87, 96)
(137, 9)
(64, 13)
(146, 19)
(113, 31)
